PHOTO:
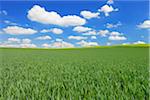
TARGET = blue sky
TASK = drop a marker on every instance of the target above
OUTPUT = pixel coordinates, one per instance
(74, 23)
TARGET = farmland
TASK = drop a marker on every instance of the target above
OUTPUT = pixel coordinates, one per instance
(85, 73)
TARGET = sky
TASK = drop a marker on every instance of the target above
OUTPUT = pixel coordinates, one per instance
(67, 24)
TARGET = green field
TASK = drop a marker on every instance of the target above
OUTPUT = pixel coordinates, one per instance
(115, 73)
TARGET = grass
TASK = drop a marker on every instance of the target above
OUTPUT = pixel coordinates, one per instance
(119, 73)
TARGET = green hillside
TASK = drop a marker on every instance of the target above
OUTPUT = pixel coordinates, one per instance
(103, 73)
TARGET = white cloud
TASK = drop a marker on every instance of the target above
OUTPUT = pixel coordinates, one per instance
(13, 40)
(145, 25)
(61, 44)
(87, 44)
(45, 45)
(16, 30)
(93, 32)
(9, 45)
(53, 30)
(45, 31)
(103, 33)
(108, 25)
(108, 43)
(27, 45)
(81, 29)
(77, 37)
(26, 41)
(110, 2)
(72, 20)
(39, 14)
(93, 37)
(59, 40)
(18, 43)
(139, 42)
(44, 38)
(9, 22)
(89, 14)
(16, 40)
(57, 31)
(3, 12)
(115, 33)
(107, 9)
(117, 37)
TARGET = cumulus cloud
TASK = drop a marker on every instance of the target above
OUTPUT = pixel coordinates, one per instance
(57, 31)
(89, 14)
(144, 25)
(18, 43)
(81, 29)
(87, 44)
(117, 37)
(59, 40)
(108, 43)
(17, 40)
(44, 38)
(45, 31)
(39, 14)
(53, 30)
(9, 22)
(106, 9)
(26, 41)
(9, 45)
(114, 35)
(110, 2)
(139, 42)
(108, 25)
(16, 30)
(103, 33)
(77, 37)
(93, 32)
(28, 45)
(57, 44)
(13, 40)
(62, 44)
(93, 37)
(45, 45)
(3, 12)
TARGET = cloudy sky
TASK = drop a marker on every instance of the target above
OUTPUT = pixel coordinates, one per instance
(62, 24)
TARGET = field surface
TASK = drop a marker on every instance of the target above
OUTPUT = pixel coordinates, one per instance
(119, 73)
